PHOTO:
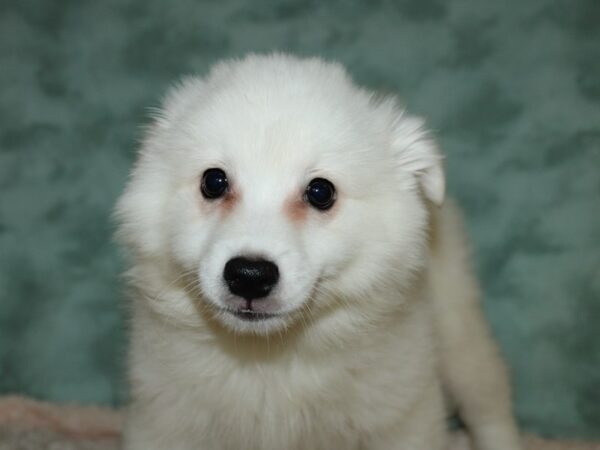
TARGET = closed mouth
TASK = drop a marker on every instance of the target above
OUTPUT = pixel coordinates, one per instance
(251, 316)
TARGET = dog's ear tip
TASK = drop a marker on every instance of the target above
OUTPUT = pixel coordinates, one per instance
(418, 153)
(437, 200)
(433, 182)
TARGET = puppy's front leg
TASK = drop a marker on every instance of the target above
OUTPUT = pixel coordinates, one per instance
(472, 370)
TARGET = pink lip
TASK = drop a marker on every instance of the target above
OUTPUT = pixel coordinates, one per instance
(250, 315)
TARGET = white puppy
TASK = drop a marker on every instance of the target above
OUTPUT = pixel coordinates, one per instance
(295, 284)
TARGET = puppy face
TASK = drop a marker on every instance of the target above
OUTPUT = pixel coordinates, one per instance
(281, 191)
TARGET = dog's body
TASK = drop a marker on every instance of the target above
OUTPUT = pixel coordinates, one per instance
(365, 310)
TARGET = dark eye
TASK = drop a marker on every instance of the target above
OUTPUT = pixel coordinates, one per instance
(320, 193)
(214, 183)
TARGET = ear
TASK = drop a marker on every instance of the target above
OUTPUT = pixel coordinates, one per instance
(417, 153)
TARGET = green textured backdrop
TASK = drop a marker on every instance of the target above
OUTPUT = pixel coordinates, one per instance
(511, 88)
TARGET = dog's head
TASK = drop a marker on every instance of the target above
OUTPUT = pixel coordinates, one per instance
(281, 190)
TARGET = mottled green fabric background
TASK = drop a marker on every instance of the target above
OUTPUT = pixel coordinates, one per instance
(511, 88)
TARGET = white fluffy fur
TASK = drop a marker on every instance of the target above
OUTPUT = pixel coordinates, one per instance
(378, 308)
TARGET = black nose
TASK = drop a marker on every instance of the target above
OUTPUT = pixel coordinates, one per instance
(249, 278)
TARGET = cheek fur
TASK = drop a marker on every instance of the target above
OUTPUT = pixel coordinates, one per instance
(229, 202)
(296, 210)
(222, 205)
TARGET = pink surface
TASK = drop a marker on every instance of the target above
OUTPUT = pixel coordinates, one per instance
(29, 425)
